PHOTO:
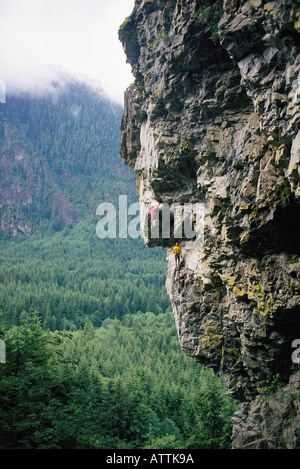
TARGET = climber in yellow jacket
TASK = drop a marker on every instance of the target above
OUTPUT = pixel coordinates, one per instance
(177, 252)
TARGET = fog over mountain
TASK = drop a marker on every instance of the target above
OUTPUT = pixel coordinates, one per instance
(39, 39)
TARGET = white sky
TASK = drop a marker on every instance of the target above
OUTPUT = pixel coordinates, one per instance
(78, 36)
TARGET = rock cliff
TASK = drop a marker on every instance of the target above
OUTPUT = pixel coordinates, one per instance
(212, 121)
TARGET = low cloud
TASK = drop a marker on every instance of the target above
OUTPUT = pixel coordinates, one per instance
(42, 41)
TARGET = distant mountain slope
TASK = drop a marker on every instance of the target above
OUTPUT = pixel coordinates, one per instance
(59, 158)
(72, 276)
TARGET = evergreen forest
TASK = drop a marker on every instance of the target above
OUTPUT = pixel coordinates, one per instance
(92, 359)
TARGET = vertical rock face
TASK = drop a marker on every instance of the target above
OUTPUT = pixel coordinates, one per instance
(212, 120)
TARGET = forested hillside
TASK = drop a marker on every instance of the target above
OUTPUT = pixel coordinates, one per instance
(59, 159)
(92, 354)
(123, 385)
(73, 275)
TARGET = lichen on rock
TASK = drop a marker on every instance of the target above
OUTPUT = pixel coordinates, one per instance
(212, 118)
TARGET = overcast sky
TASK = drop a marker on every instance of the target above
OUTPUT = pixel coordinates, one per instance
(78, 36)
